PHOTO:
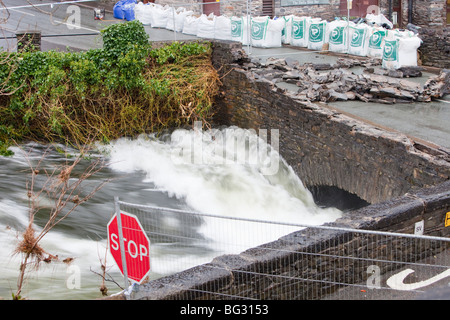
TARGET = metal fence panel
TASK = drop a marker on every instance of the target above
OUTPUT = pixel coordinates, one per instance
(342, 264)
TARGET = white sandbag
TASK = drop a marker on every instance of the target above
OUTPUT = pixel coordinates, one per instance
(222, 28)
(273, 33)
(337, 35)
(236, 28)
(299, 32)
(400, 51)
(239, 29)
(190, 25)
(408, 51)
(378, 19)
(317, 35)
(206, 26)
(376, 42)
(142, 13)
(258, 30)
(160, 15)
(359, 43)
(390, 58)
(175, 19)
(286, 33)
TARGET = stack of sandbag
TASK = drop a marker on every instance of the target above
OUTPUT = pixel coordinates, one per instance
(400, 50)
(359, 35)
(317, 35)
(338, 35)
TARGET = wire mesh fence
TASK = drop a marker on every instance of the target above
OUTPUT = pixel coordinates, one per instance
(202, 256)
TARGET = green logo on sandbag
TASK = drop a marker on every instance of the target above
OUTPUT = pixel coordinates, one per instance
(298, 29)
(390, 52)
(337, 35)
(358, 38)
(316, 32)
(258, 30)
(376, 39)
(236, 28)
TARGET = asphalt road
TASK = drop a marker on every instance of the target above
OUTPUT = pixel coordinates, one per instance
(63, 25)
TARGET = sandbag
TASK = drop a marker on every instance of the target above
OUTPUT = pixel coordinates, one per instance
(273, 34)
(317, 35)
(359, 39)
(142, 13)
(206, 26)
(408, 51)
(400, 50)
(378, 19)
(258, 30)
(338, 36)
(160, 15)
(299, 32)
(390, 58)
(239, 29)
(286, 33)
(128, 10)
(122, 9)
(222, 28)
(376, 42)
(175, 19)
(190, 25)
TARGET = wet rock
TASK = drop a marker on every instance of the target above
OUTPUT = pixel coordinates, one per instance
(323, 82)
(438, 86)
(336, 96)
(322, 66)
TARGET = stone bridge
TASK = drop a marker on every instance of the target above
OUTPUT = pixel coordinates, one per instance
(402, 179)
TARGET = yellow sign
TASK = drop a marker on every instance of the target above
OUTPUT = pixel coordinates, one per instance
(447, 219)
(349, 4)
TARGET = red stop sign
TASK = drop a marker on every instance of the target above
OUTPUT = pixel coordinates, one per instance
(136, 244)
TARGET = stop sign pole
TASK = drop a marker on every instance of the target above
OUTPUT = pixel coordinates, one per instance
(122, 243)
(132, 257)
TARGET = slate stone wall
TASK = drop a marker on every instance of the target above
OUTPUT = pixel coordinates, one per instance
(311, 263)
(407, 182)
(323, 146)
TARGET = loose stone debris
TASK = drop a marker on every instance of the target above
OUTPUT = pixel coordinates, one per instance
(338, 82)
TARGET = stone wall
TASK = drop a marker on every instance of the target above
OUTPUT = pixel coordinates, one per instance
(324, 11)
(325, 147)
(435, 48)
(300, 265)
(380, 164)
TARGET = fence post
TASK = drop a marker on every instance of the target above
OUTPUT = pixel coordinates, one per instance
(122, 245)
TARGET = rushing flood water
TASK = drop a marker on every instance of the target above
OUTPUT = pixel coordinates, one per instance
(231, 172)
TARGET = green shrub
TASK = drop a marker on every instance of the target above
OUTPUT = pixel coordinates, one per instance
(126, 88)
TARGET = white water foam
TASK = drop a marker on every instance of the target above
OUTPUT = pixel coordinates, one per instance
(205, 169)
